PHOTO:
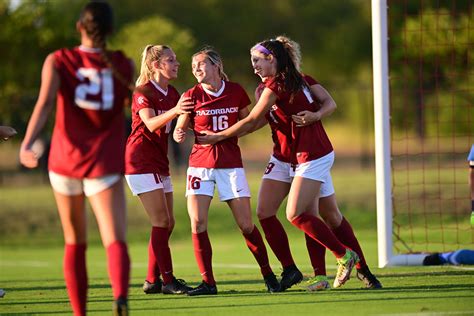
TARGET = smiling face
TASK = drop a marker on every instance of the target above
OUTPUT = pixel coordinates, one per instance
(168, 65)
(203, 69)
(263, 65)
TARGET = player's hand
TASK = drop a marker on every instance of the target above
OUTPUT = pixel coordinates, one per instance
(305, 118)
(208, 138)
(6, 132)
(28, 158)
(179, 135)
(185, 105)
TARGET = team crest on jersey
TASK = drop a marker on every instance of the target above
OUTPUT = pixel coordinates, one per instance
(141, 100)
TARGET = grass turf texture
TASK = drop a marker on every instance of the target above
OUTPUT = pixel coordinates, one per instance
(34, 284)
(31, 263)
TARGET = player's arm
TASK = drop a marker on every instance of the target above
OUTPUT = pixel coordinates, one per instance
(328, 106)
(179, 134)
(249, 123)
(154, 122)
(44, 104)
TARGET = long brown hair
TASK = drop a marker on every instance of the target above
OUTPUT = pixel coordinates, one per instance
(288, 62)
(97, 19)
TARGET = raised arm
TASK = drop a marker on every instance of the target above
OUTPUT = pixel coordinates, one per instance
(244, 126)
(45, 103)
(328, 106)
(154, 122)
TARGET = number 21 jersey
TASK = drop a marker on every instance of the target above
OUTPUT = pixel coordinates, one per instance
(89, 133)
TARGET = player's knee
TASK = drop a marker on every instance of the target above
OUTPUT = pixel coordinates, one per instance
(246, 228)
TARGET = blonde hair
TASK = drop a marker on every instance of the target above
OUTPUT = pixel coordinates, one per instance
(215, 59)
(150, 54)
(293, 49)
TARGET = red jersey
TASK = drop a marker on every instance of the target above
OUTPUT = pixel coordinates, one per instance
(296, 144)
(216, 112)
(89, 133)
(147, 152)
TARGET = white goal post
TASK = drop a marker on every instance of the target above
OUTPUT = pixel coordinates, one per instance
(382, 142)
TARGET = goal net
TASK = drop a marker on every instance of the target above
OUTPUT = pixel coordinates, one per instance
(423, 55)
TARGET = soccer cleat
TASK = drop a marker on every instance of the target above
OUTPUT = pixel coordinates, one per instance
(290, 276)
(120, 307)
(345, 266)
(177, 286)
(203, 289)
(2, 293)
(368, 278)
(432, 260)
(272, 283)
(152, 288)
(318, 283)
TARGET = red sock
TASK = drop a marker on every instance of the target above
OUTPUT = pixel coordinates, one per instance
(75, 275)
(255, 243)
(161, 249)
(317, 255)
(203, 254)
(316, 229)
(346, 235)
(153, 272)
(119, 268)
(278, 240)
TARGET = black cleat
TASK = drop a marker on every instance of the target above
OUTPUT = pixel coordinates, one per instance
(272, 283)
(432, 260)
(152, 288)
(120, 307)
(290, 276)
(203, 289)
(177, 286)
(368, 278)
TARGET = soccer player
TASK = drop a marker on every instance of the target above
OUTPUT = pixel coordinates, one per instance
(275, 187)
(219, 104)
(5, 133)
(91, 87)
(307, 149)
(155, 104)
(470, 158)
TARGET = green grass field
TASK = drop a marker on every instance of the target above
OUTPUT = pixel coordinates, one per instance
(31, 264)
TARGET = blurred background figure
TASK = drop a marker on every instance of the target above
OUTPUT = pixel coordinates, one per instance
(90, 87)
(458, 257)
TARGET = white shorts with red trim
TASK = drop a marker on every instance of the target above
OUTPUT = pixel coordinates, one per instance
(146, 182)
(231, 182)
(319, 170)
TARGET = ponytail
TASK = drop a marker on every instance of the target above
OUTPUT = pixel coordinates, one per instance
(150, 54)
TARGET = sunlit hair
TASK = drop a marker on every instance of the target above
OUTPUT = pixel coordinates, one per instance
(288, 56)
(150, 54)
(97, 19)
(215, 59)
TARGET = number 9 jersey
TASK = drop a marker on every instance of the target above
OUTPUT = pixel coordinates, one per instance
(89, 133)
(216, 111)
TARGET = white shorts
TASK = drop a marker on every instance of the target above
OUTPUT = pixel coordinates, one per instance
(146, 182)
(231, 182)
(76, 186)
(282, 171)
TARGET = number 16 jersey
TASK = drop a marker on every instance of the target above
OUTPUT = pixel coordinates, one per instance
(216, 111)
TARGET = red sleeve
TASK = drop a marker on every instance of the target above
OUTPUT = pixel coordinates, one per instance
(244, 98)
(140, 101)
(310, 80)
